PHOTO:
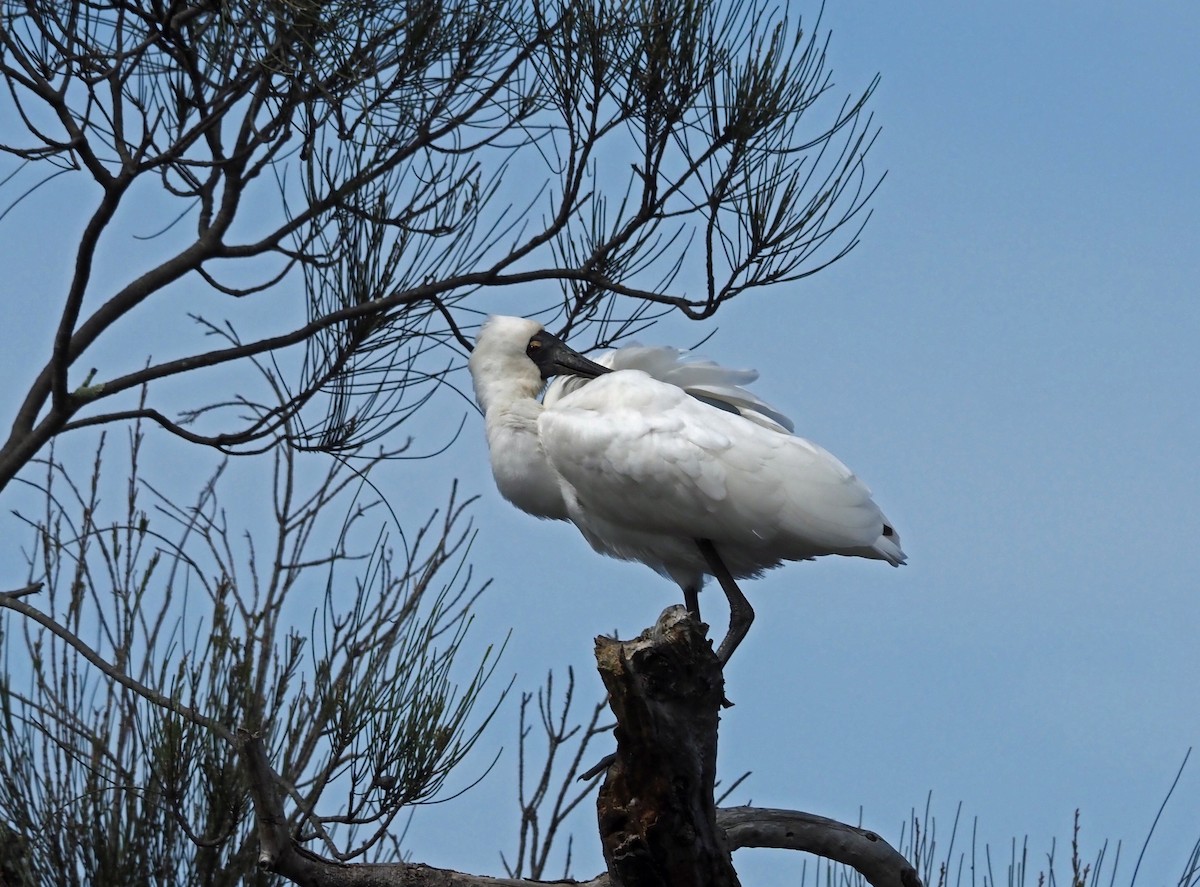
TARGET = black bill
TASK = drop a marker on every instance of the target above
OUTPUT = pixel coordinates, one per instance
(554, 358)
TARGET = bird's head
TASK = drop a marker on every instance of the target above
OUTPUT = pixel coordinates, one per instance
(516, 355)
(553, 357)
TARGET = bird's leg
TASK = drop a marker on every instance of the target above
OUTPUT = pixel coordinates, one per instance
(691, 600)
(741, 614)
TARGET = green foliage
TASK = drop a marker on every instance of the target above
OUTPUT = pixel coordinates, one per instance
(102, 784)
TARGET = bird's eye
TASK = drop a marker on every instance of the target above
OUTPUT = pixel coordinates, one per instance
(533, 346)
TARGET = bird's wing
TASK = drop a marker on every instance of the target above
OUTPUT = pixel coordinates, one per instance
(642, 454)
(704, 380)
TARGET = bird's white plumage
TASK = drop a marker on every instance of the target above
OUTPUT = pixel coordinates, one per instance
(706, 381)
(644, 467)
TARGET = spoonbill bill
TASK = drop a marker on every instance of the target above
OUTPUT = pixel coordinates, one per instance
(665, 460)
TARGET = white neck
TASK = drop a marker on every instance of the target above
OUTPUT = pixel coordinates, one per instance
(506, 389)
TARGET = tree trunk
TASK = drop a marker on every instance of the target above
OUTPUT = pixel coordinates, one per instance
(656, 809)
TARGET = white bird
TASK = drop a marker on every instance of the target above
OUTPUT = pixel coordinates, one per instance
(668, 461)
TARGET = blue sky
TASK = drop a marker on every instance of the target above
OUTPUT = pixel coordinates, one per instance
(1010, 359)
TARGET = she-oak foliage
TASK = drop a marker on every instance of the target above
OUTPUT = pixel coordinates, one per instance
(350, 182)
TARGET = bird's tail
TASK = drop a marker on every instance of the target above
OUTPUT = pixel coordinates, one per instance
(887, 547)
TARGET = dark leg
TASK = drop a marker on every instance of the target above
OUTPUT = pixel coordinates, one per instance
(741, 614)
(691, 600)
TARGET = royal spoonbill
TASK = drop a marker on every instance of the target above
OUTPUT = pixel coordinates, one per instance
(665, 460)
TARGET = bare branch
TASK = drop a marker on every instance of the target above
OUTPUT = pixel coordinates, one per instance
(280, 855)
(861, 849)
(113, 670)
(549, 801)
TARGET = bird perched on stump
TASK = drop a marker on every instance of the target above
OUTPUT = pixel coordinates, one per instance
(666, 460)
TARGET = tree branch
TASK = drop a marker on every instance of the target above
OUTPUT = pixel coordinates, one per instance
(874, 858)
(11, 602)
(280, 854)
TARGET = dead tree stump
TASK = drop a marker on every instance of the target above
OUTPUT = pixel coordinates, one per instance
(656, 809)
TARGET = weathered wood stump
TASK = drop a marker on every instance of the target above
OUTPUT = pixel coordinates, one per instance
(656, 810)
